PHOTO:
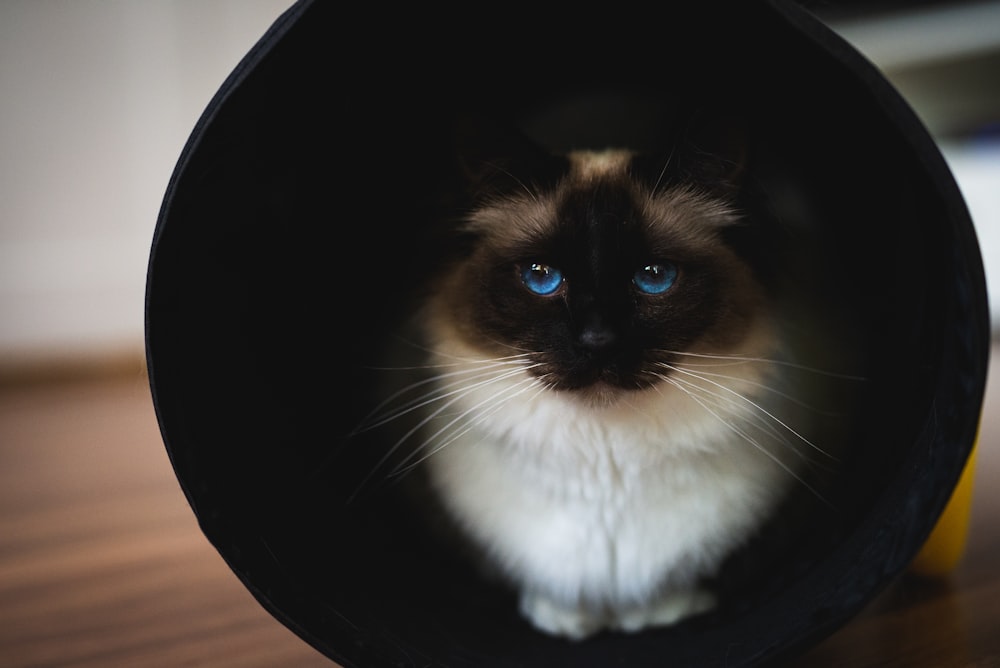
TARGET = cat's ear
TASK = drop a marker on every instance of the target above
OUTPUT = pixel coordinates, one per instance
(709, 151)
(497, 159)
(715, 151)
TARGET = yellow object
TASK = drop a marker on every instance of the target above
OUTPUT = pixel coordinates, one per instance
(946, 544)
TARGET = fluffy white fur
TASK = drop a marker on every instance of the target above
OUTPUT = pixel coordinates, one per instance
(606, 513)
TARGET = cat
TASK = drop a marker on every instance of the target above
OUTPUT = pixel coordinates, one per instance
(609, 413)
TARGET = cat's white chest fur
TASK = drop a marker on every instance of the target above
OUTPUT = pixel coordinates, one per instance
(605, 516)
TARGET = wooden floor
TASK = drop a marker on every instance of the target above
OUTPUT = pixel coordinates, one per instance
(102, 563)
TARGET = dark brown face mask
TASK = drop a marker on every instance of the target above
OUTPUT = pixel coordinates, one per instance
(303, 220)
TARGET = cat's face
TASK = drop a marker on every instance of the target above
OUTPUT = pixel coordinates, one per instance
(600, 275)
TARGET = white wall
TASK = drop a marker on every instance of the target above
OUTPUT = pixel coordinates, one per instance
(97, 98)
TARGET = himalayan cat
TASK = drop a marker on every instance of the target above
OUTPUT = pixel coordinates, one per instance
(608, 415)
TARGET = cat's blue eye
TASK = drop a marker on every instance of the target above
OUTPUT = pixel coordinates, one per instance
(541, 279)
(655, 279)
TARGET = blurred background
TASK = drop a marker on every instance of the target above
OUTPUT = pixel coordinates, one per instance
(97, 98)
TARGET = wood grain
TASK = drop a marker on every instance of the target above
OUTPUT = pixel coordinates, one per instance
(102, 562)
(101, 559)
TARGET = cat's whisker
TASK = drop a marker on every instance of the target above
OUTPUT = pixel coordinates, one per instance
(478, 417)
(531, 193)
(774, 431)
(465, 360)
(411, 461)
(755, 420)
(454, 390)
(741, 359)
(524, 352)
(437, 393)
(459, 362)
(379, 415)
(455, 396)
(747, 437)
(754, 383)
(659, 178)
(730, 405)
(458, 359)
(755, 405)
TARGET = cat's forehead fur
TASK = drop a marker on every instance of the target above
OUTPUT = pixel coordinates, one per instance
(587, 165)
(682, 212)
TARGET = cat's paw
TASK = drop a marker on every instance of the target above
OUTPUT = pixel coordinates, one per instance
(557, 619)
(669, 609)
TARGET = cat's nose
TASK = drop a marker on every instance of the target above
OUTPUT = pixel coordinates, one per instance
(596, 337)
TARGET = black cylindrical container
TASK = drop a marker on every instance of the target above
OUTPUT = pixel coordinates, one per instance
(285, 248)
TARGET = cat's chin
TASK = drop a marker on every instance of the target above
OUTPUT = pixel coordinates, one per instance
(602, 393)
